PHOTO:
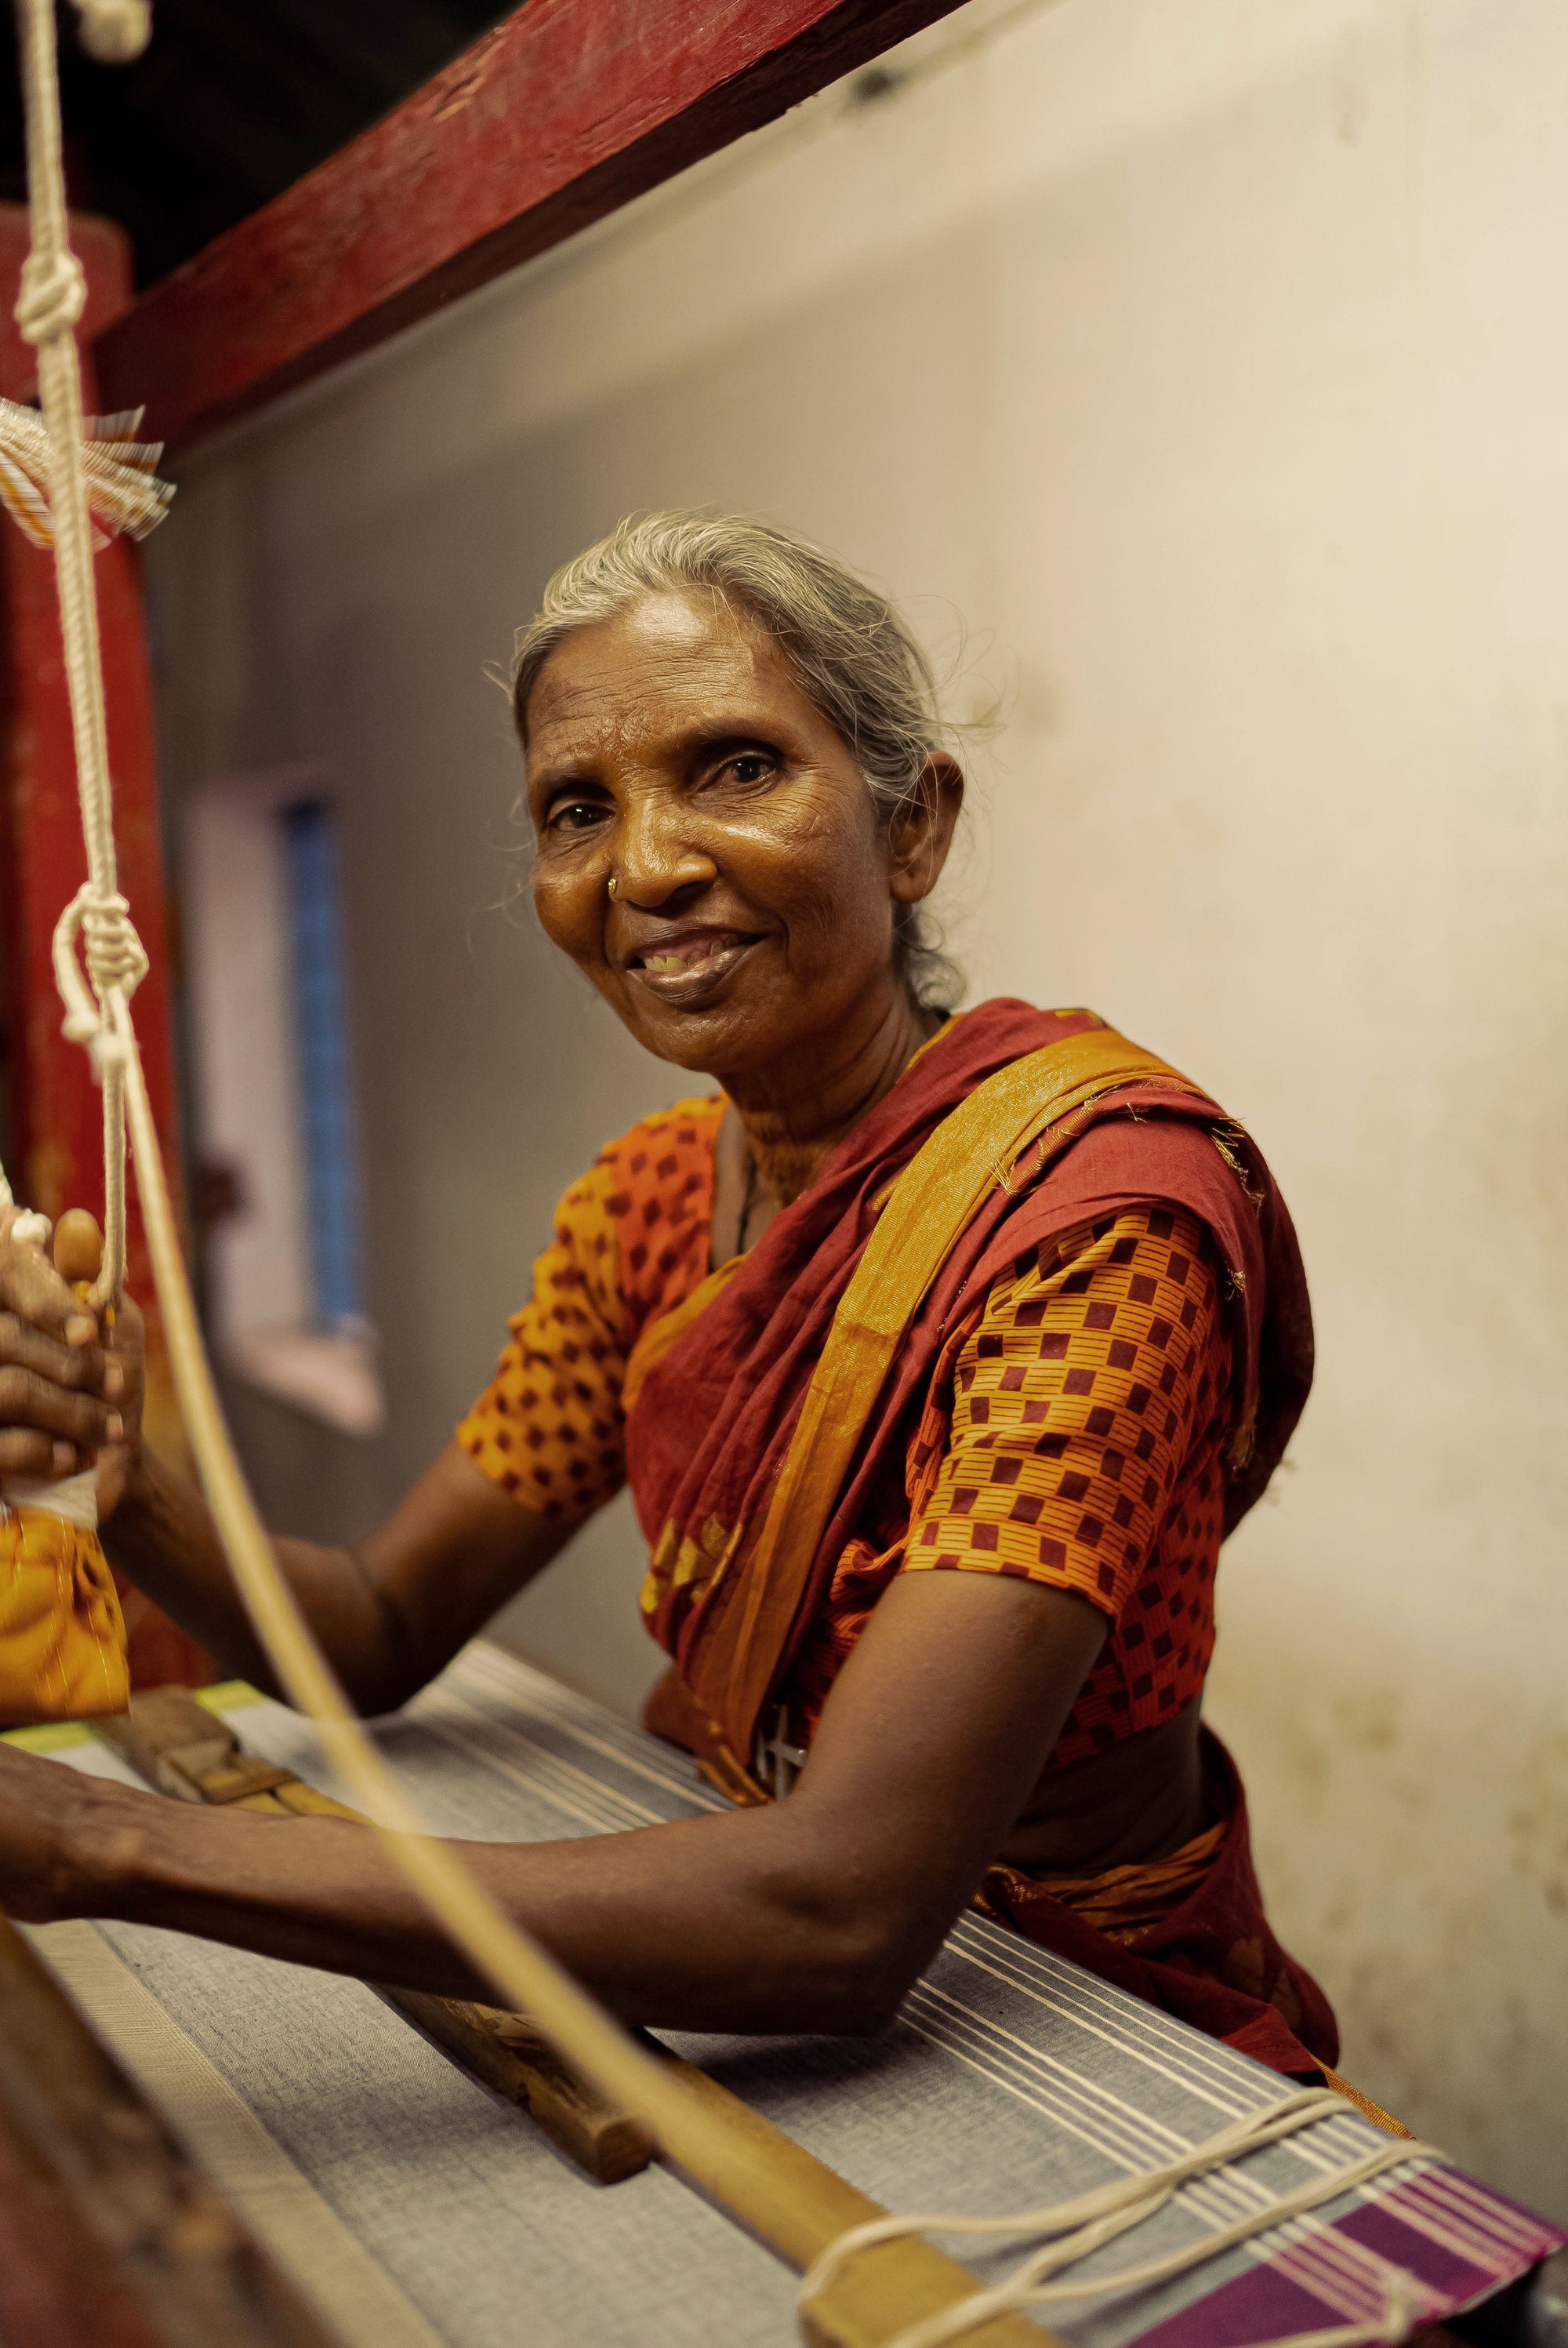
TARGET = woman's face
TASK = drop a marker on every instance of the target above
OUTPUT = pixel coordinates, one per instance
(672, 751)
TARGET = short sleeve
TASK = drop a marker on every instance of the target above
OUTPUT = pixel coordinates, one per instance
(549, 1429)
(1077, 1398)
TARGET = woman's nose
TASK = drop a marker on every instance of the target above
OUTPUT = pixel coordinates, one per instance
(658, 857)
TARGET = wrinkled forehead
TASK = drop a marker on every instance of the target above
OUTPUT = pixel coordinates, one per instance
(649, 670)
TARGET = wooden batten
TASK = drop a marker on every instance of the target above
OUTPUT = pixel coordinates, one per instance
(110, 2237)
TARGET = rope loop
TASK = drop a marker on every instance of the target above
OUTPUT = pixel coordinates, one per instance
(116, 964)
(54, 295)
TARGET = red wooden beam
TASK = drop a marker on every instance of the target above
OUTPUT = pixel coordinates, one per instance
(57, 1116)
(566, 110)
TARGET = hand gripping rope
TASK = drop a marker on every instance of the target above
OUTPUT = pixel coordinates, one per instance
(54, 477)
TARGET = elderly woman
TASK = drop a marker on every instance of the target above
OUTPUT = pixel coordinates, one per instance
(940, 1354)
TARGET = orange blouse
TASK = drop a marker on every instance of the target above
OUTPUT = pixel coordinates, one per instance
(1079, 1442)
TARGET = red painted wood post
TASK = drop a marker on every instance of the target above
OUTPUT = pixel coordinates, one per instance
(56, 1129)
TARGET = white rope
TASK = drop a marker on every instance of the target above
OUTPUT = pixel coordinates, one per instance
(1091, 2219)
(53, 296)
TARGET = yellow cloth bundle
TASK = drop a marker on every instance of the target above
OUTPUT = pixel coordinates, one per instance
(62, 1635)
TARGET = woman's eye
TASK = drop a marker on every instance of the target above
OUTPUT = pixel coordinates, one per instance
(749, 766)
(574, 815)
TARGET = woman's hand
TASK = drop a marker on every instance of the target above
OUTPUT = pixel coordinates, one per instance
(57, 1828)
(61, 1396)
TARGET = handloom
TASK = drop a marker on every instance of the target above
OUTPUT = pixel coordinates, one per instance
(1011, 2078)
(875, 2288)
(180, 1745)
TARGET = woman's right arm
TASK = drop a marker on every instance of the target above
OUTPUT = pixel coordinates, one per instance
(389, 1610)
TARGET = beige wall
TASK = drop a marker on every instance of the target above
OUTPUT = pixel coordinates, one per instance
(1211, 360)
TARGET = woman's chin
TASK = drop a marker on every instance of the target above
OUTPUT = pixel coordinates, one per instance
(721, 1034)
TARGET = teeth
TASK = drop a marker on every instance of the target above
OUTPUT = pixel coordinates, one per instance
(673, 965)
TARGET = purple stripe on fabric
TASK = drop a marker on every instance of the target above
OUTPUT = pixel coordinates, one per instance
(1260, 2305)
(1266, 2304)
(1541, 2237)
(1382, 2227)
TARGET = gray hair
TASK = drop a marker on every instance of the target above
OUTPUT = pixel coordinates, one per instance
(850, 647)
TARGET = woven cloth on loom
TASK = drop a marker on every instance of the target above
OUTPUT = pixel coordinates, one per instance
(1012, 2079)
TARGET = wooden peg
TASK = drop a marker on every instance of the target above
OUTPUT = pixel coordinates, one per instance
(78, 1248)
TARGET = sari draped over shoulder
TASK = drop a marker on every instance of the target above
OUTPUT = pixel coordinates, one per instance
(762, 1414)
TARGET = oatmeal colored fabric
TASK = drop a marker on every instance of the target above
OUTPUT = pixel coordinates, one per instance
(1077, 1441)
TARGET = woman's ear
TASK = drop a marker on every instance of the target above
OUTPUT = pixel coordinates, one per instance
(921, 833)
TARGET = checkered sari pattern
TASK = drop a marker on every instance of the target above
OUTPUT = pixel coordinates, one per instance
(1075, 1436)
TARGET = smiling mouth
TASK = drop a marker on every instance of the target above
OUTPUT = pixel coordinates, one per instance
(687, 968)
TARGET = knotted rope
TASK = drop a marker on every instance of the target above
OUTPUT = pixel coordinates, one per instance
(53, 296)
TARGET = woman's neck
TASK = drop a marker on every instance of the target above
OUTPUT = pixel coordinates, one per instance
(790, 1129)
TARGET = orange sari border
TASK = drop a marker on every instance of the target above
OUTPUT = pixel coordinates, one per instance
(1123, 1901)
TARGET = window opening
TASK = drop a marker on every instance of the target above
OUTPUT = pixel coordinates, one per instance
(276, 1181)
(320, 1038)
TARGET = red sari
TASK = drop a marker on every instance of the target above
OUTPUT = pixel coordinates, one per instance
(714, 1416)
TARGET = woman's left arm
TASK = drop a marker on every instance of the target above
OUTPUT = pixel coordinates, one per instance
(816, 1913)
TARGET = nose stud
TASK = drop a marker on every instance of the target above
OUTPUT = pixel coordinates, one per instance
(614, 884)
